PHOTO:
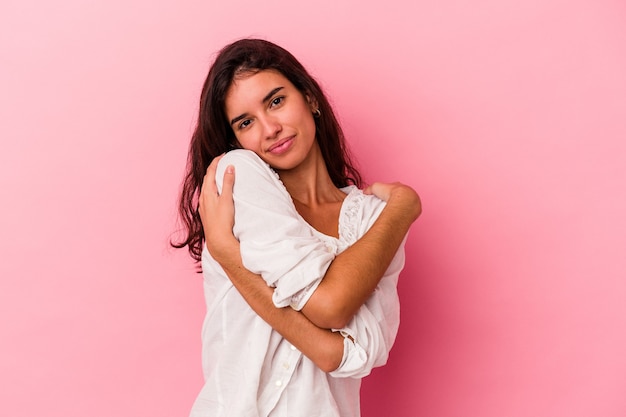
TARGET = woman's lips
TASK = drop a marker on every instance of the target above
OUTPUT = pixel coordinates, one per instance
(281, 146)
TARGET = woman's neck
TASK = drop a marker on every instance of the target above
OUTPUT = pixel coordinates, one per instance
(314, 195)
(309, 183)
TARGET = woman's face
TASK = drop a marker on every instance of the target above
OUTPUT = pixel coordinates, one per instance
(271, 117)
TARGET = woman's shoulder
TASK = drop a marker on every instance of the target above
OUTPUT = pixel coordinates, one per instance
(246, 163)
(356, 198)
(359, 211)
(241, 155)
(254, 178)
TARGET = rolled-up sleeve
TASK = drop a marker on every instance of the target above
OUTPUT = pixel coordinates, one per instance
(370, 334)
(275, 241)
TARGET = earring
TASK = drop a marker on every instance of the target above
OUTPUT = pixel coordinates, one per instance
(317, 113)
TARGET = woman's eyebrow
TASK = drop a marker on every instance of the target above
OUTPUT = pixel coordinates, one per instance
(238, 118)
(271, 93)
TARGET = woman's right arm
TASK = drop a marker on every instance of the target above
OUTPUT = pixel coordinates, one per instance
(324, 347)
(277, 244)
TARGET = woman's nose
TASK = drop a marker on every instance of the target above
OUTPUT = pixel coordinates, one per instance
(271, 127)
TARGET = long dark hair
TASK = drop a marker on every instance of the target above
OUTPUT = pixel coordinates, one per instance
(213, 134)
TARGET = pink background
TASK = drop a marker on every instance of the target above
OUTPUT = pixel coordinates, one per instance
(509, 118)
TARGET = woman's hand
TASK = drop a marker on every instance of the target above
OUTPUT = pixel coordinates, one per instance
(354, 274)
(217, 212)
(399, 195)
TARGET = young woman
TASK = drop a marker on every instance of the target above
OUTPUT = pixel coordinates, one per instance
(300, 266)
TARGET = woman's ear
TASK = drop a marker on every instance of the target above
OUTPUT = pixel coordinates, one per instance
(312, 103)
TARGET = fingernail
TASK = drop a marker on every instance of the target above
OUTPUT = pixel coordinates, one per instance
(230, 169)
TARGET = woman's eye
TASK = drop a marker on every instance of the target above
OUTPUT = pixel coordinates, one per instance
(276, 101)
(244, 124)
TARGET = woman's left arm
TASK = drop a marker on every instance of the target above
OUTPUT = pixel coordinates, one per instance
(277, 243)
(324, 347)
(354, 347)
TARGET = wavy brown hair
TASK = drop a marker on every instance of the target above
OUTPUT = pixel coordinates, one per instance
(213, 134)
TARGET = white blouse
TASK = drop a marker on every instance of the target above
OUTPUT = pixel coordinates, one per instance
(250, 369)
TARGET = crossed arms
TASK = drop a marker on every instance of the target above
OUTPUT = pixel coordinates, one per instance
(346, 281)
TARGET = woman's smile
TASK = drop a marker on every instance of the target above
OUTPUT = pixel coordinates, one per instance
(282, 146)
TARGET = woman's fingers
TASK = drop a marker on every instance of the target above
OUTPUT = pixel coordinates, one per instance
(209, 187)
(381, 190)
(217, 210)
(229, 182)
(213, 204)
(208, 183)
